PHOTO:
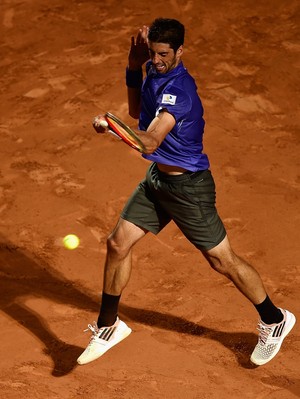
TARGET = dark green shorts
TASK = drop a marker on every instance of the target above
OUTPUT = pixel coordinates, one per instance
(187, 199)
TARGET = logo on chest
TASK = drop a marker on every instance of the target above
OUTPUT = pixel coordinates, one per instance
(168, 99)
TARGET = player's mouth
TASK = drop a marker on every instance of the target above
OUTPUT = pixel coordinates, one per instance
(160, 68)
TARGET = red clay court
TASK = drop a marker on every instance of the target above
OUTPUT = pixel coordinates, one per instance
(63, 62)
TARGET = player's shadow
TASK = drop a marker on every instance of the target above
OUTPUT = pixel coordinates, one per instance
(22, 277)
(25, 276)
(241, 344)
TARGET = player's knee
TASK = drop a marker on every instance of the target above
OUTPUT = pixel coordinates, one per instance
(223, 264)
(116, 247)
(217, 265)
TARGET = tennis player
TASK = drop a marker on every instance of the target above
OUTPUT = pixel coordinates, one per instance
(178, 186)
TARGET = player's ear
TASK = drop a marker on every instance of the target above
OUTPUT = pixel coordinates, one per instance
(179, 51)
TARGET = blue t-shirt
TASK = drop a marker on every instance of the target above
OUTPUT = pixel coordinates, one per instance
(176, 92)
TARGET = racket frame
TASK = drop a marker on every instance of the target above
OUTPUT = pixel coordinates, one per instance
(136, 144)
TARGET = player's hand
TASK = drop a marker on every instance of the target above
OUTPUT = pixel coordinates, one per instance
(139, 52)
(100, 124)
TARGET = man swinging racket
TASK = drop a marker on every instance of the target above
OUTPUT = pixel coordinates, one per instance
(178, 186)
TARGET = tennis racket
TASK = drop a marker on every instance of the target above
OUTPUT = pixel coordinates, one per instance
(120, 129)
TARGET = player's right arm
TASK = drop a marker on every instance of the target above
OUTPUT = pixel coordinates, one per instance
(138, 55)
(134, 101)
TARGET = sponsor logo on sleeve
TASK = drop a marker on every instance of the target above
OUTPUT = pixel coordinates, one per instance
(168, 99)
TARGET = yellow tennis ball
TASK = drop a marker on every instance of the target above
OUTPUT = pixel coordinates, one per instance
(71, 241)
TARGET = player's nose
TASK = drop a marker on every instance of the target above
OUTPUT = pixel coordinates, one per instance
(155, 59)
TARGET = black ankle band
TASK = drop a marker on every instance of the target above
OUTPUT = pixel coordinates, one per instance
(109, 310)
(268, 312)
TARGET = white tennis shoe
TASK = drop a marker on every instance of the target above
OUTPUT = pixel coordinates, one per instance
(103, 339)
(271, 337)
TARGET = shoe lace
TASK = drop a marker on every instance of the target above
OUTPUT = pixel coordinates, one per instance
(93, 328)
(264, 333)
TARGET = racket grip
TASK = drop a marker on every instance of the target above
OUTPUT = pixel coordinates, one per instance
(103, 123)
(100, 124)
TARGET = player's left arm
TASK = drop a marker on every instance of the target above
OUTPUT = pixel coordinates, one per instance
(160, 126)
(173, 107)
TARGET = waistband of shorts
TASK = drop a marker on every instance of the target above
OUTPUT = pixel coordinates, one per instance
(186, 176)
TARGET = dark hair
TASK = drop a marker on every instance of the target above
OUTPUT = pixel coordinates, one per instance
(165, 30)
